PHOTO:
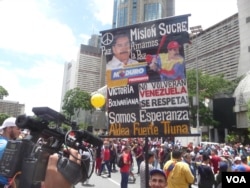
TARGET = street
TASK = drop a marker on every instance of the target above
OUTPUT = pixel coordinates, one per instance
(113, 182)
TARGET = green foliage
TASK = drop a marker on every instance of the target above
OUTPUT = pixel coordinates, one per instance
(205, 138)
(209, 87)
(3, 92)
(232, 138)
(74, 100)
(3, 117)
(83, 126)
(65, 128)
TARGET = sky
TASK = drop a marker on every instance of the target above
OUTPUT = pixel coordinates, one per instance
(37, 37)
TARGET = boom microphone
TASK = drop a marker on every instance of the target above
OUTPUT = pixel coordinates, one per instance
(27, 122)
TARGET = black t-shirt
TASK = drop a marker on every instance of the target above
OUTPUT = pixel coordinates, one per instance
(206, 176)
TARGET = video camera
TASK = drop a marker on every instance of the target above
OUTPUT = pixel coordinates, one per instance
(29, 156)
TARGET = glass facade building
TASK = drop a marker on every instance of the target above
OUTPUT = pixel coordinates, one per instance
(128, 12)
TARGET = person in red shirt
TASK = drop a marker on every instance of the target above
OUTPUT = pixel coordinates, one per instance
(98, 160)
(106, 159)
(125, 170)
(244, 163)
(214, 161)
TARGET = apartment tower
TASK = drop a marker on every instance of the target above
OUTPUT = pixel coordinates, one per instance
(128, 12)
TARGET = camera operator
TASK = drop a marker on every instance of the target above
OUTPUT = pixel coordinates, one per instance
(9, 132)
(53, 177)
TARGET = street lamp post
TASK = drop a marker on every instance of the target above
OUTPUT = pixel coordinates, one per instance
(196, 30)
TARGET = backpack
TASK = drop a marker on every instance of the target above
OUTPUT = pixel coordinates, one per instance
(120, 162)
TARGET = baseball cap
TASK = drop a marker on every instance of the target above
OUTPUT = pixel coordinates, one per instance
(9, 122)
(157, 171)
(237, 159)
(172, 45)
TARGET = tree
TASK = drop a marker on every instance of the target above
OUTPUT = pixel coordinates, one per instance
(209, 86)
(3, 117)
(3, 92)
(75, 100)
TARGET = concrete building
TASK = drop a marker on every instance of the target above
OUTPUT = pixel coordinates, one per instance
(11, 108)
(216, 50)
(224, 48)
(89, 67)
(128, 12)
(86, 72)
(244, 28)
(242, 92)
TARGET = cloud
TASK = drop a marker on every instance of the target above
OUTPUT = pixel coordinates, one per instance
(46, 77)
(25, 28)
(103, 11)
(206, 13)
(28, 33)
(85, 38)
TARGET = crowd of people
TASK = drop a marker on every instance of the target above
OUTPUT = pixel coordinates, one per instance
(169, 163)
(182, 165)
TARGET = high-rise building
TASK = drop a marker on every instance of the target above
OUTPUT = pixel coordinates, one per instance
(86, 72)
(89, 65)
(95, 41)
(128, 12)
(68, 78)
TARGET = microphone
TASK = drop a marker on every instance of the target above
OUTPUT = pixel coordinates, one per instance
(27, 122)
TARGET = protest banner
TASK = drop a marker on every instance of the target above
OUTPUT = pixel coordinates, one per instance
(147, 92)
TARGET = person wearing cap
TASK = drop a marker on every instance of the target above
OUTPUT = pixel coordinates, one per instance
(236, 164)
(170, 65)
(240, 164)
(53, 177)
(9, 129)
(157, 179)
(178, 172)
(9, 132)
